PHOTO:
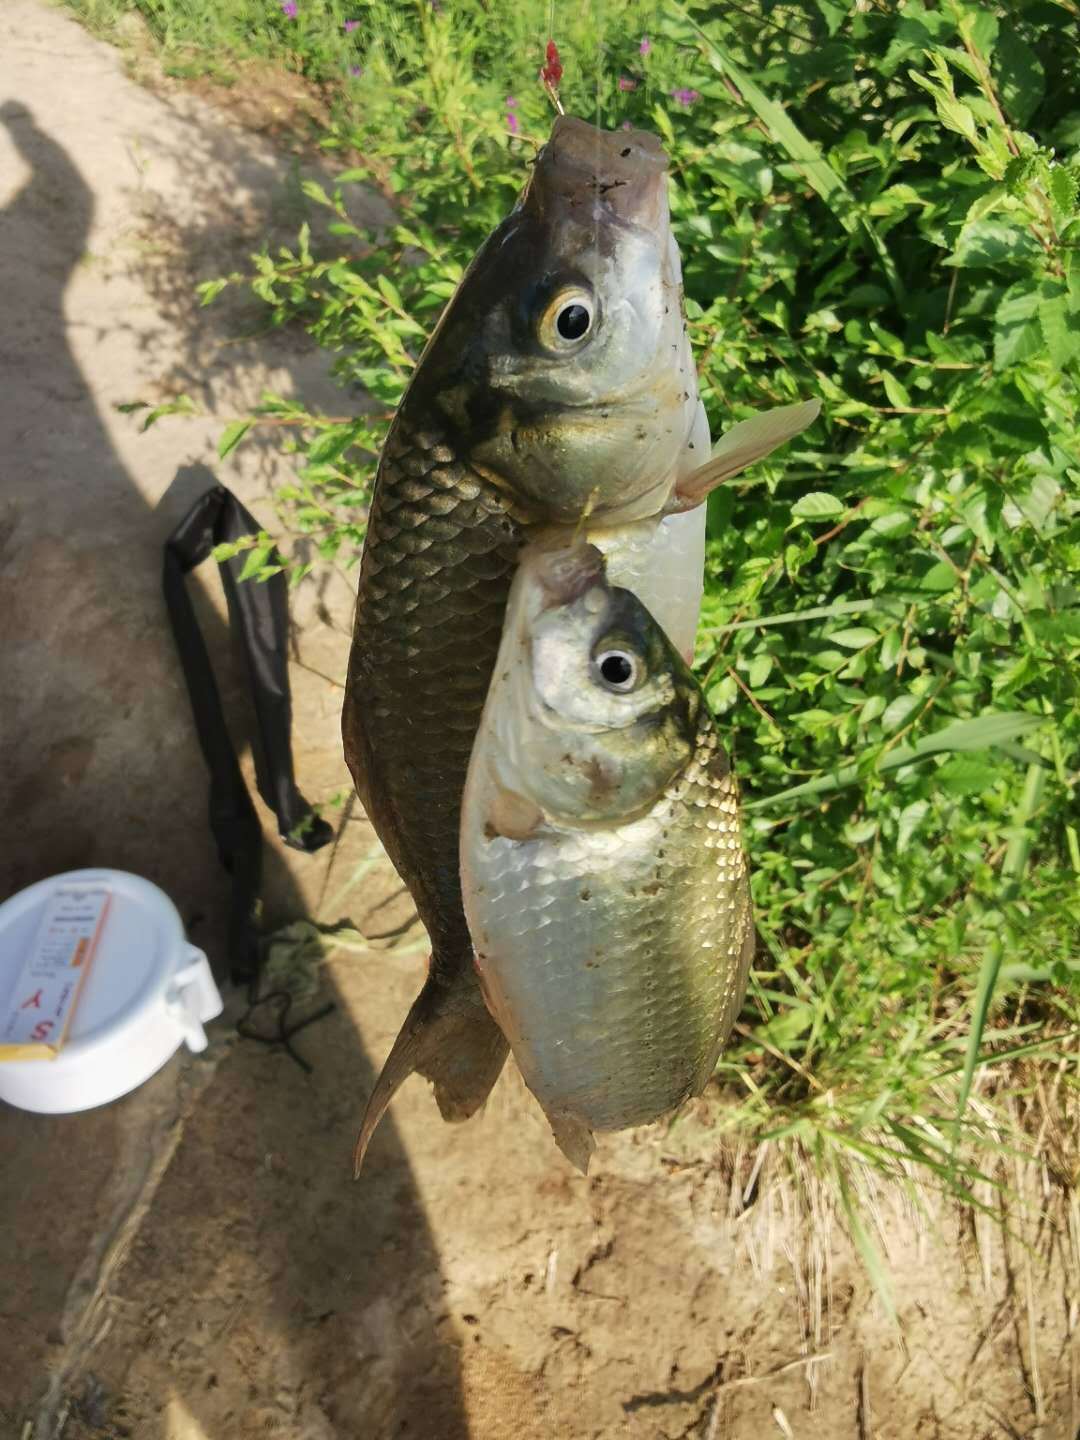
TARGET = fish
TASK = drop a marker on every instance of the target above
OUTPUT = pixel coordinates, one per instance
(604, 877)
(557, 388)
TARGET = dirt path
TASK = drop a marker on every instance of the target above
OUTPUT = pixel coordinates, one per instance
(194, 1263)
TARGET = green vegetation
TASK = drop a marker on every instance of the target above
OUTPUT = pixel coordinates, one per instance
(218, 38)
(878, 205)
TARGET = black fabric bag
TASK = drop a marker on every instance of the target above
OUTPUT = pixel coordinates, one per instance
(258, 613)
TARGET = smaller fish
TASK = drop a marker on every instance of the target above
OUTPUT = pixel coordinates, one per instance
(604, 878)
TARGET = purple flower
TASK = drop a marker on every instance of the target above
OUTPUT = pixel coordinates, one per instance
(511, 103)
(356, 71)
(351, 25)
(289, 9)
(625, 83)
(512, 122)
(645, 45)
(626, 125)
(685, 97)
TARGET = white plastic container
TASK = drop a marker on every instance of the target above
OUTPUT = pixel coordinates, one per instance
(147, 992)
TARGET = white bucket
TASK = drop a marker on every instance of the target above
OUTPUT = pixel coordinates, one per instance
(147, 992)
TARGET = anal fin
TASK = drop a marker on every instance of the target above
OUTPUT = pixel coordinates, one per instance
(573, 1137)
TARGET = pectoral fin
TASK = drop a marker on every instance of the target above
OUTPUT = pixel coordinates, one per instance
(512, 815)
(742, 445)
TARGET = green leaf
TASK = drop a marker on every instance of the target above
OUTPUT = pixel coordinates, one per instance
(209, 290)
(832, 13)
(390, 293)
(966, 775)
(663, 124)
(1020, 76)
(1039, 502)
(1017, 333)
(330, 445)
(853, 639)
(1063, 191)
(910, 818)
(898, 710)
(1060, 325)
(871, 1257)
(1012, 872)
(981, 28)
(895, 391)
(954, 115)
(182, 405)
(817, 505)
(257, 557)
(233, 434)
(314, 191)
(989, 243)
(939, 578)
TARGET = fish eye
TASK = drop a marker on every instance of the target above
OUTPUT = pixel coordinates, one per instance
(567, 320)
(618, 669)
(572, 321)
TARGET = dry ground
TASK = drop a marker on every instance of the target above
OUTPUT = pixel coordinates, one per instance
(194, 1262)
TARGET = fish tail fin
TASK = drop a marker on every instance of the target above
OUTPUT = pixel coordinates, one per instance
(448, 1037)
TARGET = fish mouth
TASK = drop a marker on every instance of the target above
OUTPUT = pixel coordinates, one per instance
(563, 573)
(624, 171)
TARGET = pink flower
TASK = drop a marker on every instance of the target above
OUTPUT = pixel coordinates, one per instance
(626, 125)
(685, 97)
(351, 25)
(289, 9)
(512, 123)
(511, 103)
(645, 46)
(625, 83)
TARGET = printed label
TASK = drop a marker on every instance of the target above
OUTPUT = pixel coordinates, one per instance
(40, 1006)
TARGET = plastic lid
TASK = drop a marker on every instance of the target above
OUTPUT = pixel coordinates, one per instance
(135, 955)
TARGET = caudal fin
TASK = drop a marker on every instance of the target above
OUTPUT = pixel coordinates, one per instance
(448, 1037)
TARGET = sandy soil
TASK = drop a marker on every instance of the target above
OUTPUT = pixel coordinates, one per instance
(194, 1262)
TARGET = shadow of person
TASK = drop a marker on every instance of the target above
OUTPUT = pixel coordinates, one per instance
(282, 1284)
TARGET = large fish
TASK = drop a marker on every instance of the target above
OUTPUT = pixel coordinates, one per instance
(604, 876)
(557, 387)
